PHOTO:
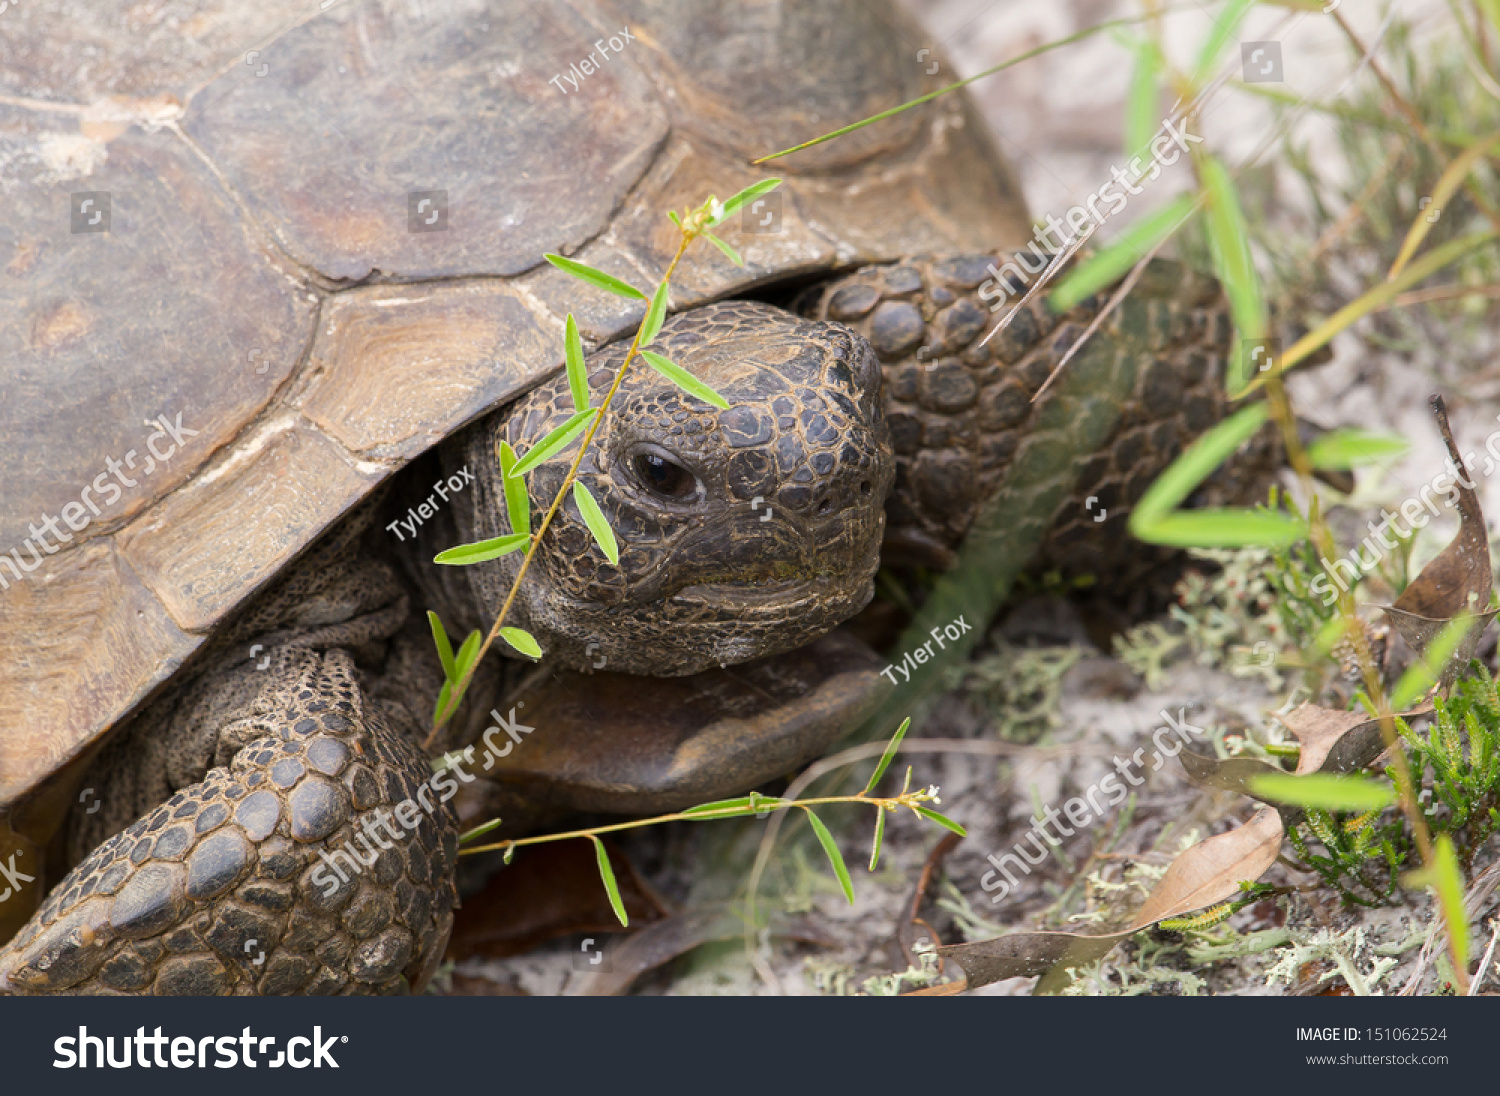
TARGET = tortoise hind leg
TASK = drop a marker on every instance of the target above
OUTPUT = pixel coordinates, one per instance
(285, 871)
(960, 413)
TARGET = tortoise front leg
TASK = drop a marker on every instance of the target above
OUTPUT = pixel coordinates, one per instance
(961, 414)
(319, 861)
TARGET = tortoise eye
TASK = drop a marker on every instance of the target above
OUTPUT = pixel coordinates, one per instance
(664, 478)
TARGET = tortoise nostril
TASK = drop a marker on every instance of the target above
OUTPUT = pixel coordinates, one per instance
(864, 487)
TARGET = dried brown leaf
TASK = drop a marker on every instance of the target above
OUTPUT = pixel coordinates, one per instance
(1457, 582)
(1209, 872)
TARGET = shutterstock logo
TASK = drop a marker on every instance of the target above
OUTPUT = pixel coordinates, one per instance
(146, 1051)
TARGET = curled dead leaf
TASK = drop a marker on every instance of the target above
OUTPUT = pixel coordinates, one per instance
(1209, 872)
(1457, 582)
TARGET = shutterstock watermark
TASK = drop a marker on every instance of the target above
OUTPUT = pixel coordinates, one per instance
(80, 514)
(1417, 510)
(1085, 810)
(1173, 137)
(409, 811)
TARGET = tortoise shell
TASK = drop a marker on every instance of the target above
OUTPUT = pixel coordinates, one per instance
(258, 258)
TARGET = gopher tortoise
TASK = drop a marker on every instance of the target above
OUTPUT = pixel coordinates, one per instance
(275, 292)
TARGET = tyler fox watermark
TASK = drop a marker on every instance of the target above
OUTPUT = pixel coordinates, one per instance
(593, 62)
(424, 510)
(1078, 808)
(912, 659)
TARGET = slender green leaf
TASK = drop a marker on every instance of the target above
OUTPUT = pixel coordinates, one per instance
(482, 550)
(1222, 529)
(578, 377)
(466, 654)
(1143, 100)
(941, 819)
(555, 441)
(1229, 240)
(879, 837)
(517, 500)
(1325, 790)
(1046, 47)
(1422, 674)
(656, 315)
(734, 256)
(1444, 876)
(1109, 263)
(607, 874)
(445, 695)
(749, 194)
(479, 831)
(737, 805)
(1226, 26)
(672, 216)
(836, 858)
(598, 524)
(1373, 299)
(509, 854)
(683, 379)
(1452, 178)
(1195, 465)
(885, 758)
(444, 648)
(1341, 450)
(595, 277)
(522, 641)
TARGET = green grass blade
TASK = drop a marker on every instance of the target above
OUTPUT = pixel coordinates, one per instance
(942, 820)
(522, 641)
(1143, 100)
(578, 377)
(607, 874)
(1325, 791)
(444, 648)
(1374, 299)
(888, 756)
(749, 194)
(1045, 47)
(555, 441)
(683, 379)
(656, 315)
(1226, 25)
(1195, 465)
(1223, 529)
(594, 277)
(1341, 450)
(598, 524)
(1447, 880)
(1109, 264)
(1229, 240)
(1449, 182)
(879, 837)
(482, 550)
(836, 858)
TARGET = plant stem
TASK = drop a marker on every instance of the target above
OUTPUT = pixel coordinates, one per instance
(536, 540)
(906, 799)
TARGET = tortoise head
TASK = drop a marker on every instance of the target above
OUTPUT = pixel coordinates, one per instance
(742, 532)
